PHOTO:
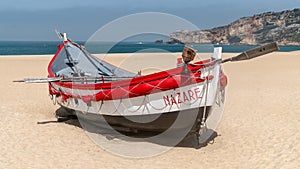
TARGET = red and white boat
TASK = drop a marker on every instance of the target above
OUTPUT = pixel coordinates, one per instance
(94, 87)
(101, 92)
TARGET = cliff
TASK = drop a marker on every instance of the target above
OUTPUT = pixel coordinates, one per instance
(283, 27)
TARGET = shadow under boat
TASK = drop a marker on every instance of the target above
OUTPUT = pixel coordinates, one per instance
(124, 128)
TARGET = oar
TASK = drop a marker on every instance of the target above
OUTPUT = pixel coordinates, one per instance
(253, 53)
(73, 79)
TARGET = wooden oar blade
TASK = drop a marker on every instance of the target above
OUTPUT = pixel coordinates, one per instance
(188, 54)
(253, 53)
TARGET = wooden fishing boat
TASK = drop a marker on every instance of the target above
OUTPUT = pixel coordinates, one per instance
(98, 91)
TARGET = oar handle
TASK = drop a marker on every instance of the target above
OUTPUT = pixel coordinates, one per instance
(39, 80)
(253, 53)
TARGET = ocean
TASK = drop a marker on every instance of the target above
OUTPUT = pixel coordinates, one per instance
(45, 47)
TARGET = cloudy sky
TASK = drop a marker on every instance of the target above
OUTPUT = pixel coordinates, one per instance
(37, 19)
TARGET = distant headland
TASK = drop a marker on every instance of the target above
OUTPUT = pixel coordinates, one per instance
(283, 27)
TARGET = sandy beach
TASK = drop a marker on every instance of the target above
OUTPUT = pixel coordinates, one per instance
(259, 128)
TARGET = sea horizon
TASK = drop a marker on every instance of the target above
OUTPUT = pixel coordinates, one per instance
(50, 47)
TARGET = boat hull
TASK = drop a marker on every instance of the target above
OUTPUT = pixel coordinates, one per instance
(187, 119)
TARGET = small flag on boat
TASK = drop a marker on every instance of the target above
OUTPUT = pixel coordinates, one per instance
(188, 54)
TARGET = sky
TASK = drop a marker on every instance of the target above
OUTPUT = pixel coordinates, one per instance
(36, 20)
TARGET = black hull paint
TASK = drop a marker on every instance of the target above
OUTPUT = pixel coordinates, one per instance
(186, 119)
